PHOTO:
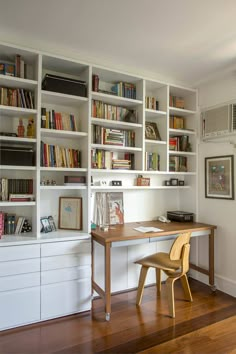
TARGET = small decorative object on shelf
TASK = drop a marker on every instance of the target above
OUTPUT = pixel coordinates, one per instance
(167, 183)
(141, 181)
(181, 183)
(31, 128)
(21, 129)
(174, 181)
(151, 131)
(116, 183)
(46, 227)
(48, 182)
(26, 227)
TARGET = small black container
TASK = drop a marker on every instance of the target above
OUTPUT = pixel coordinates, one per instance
(17, 156)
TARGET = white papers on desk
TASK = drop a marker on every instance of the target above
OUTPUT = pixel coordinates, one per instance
(144, 229)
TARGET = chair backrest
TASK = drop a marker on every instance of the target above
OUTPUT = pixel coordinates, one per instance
(177, 246)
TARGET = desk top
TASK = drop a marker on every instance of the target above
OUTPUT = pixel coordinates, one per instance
(126, 231)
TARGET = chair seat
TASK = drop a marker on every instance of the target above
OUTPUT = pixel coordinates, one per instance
(160, 260)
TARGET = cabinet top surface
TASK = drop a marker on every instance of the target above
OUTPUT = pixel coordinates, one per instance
(11, 240)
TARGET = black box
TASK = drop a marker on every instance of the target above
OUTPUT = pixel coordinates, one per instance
(17, 156)
(181, 216)
(64, 85)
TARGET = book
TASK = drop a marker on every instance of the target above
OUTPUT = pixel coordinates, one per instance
(115, 208)
(75, 179)
(21, 197)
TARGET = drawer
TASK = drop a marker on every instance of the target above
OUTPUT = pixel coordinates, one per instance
(65, 247)
(19, 307)
(69, 260)
(21, 281)
(19, 267)
(12, 253)
(65, 298)
(67, 274)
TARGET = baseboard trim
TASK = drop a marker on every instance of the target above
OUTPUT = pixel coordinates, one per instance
(223, 284)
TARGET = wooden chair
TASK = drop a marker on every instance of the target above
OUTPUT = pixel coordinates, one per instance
(175, 264)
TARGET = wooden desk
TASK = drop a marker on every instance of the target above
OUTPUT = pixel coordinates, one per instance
(125, 235)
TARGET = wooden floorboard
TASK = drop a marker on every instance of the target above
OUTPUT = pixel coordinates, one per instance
(132, 329)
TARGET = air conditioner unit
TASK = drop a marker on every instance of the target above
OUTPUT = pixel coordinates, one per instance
(219, 121)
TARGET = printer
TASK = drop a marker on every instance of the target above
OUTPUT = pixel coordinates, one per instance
(181, 216)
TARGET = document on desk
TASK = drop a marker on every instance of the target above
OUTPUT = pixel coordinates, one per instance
(144, 229)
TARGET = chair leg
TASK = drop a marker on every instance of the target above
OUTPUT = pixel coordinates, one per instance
(171, 296)
(186, 287)
(142, 278)
(158, 280)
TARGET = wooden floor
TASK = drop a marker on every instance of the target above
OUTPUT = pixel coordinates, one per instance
(208, 325)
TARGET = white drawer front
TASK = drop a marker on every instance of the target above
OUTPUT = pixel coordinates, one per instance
(65, 247)
(65, 298)
(70, 260)
(19, 267)
(21, 281)
(12, 253)
(19, 307)
(66, 274)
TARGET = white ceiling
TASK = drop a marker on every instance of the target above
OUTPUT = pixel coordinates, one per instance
(185, 41)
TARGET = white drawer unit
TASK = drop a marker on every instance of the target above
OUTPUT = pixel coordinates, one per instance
(19, 285)
(41, 281)
(65, 278)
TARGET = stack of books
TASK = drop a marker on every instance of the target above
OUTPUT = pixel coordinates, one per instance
(74, 180)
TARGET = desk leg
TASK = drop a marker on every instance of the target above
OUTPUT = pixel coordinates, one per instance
(107, 264)
(211, 261)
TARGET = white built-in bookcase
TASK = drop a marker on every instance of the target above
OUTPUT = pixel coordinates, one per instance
(47, 197)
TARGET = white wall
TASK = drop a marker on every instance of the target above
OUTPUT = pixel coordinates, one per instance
(218, 212)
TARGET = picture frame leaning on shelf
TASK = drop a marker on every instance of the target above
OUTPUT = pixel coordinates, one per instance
(151, 131)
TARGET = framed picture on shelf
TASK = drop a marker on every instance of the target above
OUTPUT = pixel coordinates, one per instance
(151, 131)
(70, 213)
(115, 208)
(46, 227)
(219, 177)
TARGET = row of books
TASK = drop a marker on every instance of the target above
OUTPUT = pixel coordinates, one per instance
(178, 164)
(177, 102)
(151, 103)
(58, 156)
(176, 122)
(111, 112)
(16, 97)
(107, 136)
(58, 120)
(152, 161)
(16, 68)
(179, 143)
(103, 159)
(124, 89)
(11, 224)
(15, 186)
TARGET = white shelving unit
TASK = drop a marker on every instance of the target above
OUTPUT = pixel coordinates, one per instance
(47, 196)
(74, 245)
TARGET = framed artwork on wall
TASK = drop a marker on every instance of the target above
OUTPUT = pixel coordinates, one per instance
(70, 213)
(219, 177)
